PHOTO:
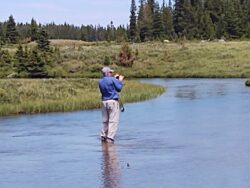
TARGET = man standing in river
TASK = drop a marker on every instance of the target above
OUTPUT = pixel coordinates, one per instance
(110, 86)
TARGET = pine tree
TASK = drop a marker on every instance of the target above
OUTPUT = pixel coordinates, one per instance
(180, 17)
(132, 25)
(33, 30)
(151, 4)
(36, 67)
(167, 21)
(246, 17)
(215, 9)
(11, 32)
(195, 12)
(141, 23)
(157, 22)
(145, 19)
(21, 62)
(43, 41)
(233, 19)
(207, 27)
(2, 35)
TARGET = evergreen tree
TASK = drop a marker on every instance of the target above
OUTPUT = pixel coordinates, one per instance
(2, 35)
(141, 23)
(132, 25)
(207, 27)
(5, 58)
(167, 21)
(246, 17)
(11, 32)
(145, 19)
(180, 15)
(33, 30)
(43, 41)
(121, 34)
(36, 67)
(151, 4)
(157, 22)
(233, 19)
(112, 31)
(21, 62)
(148, 16)
(195, 12)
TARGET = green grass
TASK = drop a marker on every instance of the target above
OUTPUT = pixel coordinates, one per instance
(28, 96)
(155, 59)
(191, 59)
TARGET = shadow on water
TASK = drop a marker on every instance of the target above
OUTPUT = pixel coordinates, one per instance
(110, 166)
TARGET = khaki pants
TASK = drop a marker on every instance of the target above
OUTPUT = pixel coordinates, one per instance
(110, 118)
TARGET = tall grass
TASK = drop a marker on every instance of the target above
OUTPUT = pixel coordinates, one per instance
(156, 59)
(153, 59)
(27, 96)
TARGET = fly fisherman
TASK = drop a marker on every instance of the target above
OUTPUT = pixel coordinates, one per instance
(110, 86)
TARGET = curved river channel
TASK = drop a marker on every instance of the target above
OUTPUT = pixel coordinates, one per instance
(196, 135)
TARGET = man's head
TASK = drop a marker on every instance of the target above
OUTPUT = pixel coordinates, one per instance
(106, 71)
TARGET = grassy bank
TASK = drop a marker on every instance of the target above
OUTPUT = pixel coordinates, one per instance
(153, 59)
(156, 59)
(26, 96)
(248, 83)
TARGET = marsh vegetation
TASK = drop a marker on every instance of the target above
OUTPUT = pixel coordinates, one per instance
(28, 96)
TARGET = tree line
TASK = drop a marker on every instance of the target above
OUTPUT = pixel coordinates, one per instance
(190, 19)
(12, 32)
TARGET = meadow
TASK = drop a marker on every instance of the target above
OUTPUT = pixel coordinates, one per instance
(185, 59)
(29, 96)
(81, 63)
(157, 59)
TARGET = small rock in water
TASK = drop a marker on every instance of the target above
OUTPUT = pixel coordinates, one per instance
(128, 165)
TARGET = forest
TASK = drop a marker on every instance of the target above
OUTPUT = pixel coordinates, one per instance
(26, 50)
(188, 19)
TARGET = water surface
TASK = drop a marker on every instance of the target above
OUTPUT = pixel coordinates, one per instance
(197, 134)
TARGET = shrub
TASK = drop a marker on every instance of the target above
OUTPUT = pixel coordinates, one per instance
(126, 56)
(106, 61)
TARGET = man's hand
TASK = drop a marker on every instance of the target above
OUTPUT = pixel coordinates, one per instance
(119, 77)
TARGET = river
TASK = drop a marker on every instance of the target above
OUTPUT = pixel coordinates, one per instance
(196, 135)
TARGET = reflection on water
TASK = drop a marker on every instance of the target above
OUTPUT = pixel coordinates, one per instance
(198, 91)
(110, 166)
(186, 92)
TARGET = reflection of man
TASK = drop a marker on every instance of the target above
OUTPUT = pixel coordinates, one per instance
(110, 166)
(109, 87)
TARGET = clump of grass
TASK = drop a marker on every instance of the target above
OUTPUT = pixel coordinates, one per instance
(248, 83)
(26, 96)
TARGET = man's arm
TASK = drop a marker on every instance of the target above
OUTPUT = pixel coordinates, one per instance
(118, 84)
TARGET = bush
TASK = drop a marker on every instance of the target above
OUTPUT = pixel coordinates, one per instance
(107, 61)
(126, 56)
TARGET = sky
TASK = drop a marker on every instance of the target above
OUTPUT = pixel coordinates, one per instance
(77, 12)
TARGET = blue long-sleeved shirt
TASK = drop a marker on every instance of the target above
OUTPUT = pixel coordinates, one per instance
(109, 87)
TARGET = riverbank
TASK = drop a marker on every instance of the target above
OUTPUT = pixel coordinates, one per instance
(188, 59)
(157, 59)
(29, 96)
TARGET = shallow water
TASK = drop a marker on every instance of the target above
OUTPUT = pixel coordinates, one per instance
(197, 134)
